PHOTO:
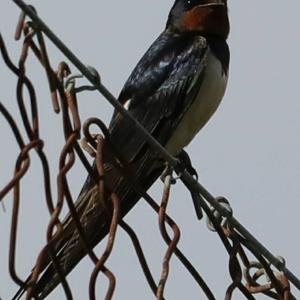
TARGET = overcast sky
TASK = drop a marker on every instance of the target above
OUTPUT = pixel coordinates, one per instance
(249, 151)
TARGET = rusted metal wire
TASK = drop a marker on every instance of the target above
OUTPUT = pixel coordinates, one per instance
(246, 275)
(172, 243)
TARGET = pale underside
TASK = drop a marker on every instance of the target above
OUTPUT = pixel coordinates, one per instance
(208, 99)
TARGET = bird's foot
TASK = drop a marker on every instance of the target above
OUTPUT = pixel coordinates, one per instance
(185, 164)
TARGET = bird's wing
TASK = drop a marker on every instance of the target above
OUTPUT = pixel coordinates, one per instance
(161, 88)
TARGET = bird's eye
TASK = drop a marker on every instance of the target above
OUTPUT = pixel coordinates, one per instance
(192, 2)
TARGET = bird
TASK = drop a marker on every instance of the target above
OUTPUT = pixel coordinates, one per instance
(172, 92)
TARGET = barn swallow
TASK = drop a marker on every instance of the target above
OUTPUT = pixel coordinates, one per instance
(173, 91)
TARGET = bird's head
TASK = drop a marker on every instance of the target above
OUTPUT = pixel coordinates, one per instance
(208, 17)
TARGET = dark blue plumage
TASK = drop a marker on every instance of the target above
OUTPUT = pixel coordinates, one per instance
(158, 89)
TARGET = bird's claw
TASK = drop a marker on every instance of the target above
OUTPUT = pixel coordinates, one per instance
(185, 164)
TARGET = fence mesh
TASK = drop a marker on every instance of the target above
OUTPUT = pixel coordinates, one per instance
(249, 277)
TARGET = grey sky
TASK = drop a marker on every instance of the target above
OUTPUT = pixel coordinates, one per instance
(249, 151)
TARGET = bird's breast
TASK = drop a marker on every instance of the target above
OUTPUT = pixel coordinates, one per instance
(209, 96)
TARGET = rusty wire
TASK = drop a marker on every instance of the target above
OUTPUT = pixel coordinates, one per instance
(246, 275)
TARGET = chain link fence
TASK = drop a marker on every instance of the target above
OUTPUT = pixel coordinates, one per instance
(266, 275)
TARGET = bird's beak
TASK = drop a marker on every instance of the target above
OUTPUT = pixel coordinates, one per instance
(214, 4)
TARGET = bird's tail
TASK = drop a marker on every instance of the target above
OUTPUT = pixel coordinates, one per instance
(95, 219)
